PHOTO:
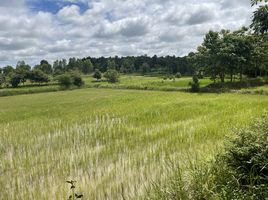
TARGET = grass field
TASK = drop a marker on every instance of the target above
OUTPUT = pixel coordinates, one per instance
(136, 82)
(126, 82)
(115, 143)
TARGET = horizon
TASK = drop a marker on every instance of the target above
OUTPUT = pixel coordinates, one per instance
(60, 29)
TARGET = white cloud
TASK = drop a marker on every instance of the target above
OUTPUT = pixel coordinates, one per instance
(113, 27)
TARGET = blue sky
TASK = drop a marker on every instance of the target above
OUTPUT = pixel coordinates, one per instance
(54, 6)
(32, 30)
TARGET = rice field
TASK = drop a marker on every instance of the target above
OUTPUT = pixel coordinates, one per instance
(126, 82)
(114, 143)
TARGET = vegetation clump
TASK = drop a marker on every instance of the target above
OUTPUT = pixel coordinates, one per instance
(112, 76)
(239, 172)
(66, 80)
(97, 75)
(178, 75)
(195, 85)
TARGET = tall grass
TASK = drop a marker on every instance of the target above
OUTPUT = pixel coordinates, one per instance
(114, 143)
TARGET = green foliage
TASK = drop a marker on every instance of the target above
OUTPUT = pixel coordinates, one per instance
(87, 66)
(8, 70)
(178, 75)
(260, 20)
(246, 157)
(65, 80)
(127, 66)
(195, 85)
(38, 76)
(145, 68)
(97, 74)
(111, 65)
(45, 67)
(255, 2)
(77, 79)
(70, 78)
(15, 79)
(239, 172)
(112, 76)
(2, 80)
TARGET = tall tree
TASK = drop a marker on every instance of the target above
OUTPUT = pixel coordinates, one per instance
(87, 66)
(260, 17)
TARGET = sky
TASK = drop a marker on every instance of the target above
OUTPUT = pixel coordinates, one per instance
(32, 30)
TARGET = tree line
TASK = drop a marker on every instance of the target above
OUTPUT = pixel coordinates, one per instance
(43, 72)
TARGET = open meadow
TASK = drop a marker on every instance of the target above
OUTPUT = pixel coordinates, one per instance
(114, 143)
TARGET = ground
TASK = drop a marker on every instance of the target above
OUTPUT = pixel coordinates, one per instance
(115, 143)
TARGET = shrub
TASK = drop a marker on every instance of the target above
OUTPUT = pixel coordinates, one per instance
(246, 158)
(112, 76)
(178, 75)
(240, 172)
(97, 74)
(65, 80)
(15, 80)
(38, 76)
(77, 80)
(71, 78)
(195, 86)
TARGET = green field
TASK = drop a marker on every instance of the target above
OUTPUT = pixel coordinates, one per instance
(115, 143)
(126, 82)
(136, 82)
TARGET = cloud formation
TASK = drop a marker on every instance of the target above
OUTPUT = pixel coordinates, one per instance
(32, 30)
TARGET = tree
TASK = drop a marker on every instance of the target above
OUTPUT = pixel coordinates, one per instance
(195, 86)
(145, 68)
(2, 80)
(15, 79)
(38, 76)
(70, 78)
(111, 64)
(77, 79)
(112, 76)
(97, 74)
(72, 64)
(127, 66)
(65, 80)
(22, 70)
(7, 70)
(87, 66)
(44, 67)
(209, 50)
(260, 17)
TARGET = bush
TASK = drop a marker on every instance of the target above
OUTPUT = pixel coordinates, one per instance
(38, 76)
(246, 158)
(15, 79)
(97, 74)
(195, 86)
(178, 75)
(65, 80)
(68, 79)
(77, 80)
(240, 172)
(112, 76)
